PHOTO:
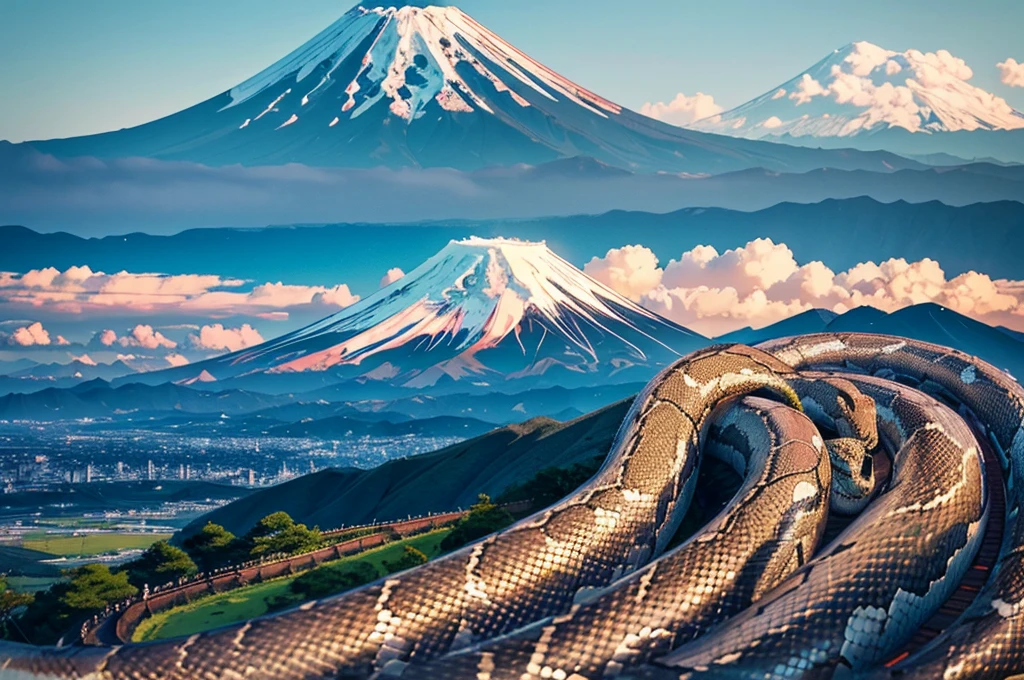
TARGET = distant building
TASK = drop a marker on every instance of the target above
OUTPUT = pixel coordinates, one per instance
(150, 471)
(252, 477)
(120, 470)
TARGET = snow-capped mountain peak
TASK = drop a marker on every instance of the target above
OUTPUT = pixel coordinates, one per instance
(480, 307)
(415, 85)
(863, 88)
(410, 55)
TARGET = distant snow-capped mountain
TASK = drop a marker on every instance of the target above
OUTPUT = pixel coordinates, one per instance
(403, 85)
(864, 89)
(480, 313)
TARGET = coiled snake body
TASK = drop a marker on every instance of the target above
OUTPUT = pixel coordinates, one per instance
(583, 591)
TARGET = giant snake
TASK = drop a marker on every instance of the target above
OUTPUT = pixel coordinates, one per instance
(586, 588)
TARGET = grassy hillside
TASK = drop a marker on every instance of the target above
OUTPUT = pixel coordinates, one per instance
(91, 544)
(433, 482)
(258, 599)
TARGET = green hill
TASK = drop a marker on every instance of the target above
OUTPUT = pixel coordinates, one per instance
(433, 482)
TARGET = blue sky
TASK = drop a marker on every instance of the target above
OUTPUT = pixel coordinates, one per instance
(79, 66)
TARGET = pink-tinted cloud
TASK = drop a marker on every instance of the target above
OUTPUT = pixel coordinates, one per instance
(683, 110)
(84, 359)
(80, 289)
(392, 276)
(142, 336)
(630, 270)
(107, 338)
(1011, 73)
(176, 360)
(762, 283)
(28, 336)
(217, 337)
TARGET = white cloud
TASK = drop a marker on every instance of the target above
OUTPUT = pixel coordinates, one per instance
(915, 90)
(762, 283)
(176, 360)
(392, 276)
(772, 123)
(780, 93)
(107, 338)
(630, 270)
(1011, 73)
(807, 88)
(79, 289)
(141, 336)
(27, 336)
(866, 57)
(217, 337)
(683, 110)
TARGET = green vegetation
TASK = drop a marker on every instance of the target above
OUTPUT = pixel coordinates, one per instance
(278, 533)
(484, 518)
(161, 563)
(10, 600)
(551, 484)
(255, 600)
(213, 546)
(212, 612)
(92, 544)
(409, 559)
(89, 589)
(326, 581)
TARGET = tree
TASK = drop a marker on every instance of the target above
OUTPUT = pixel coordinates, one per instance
(278, 533)
(411, 557)
(332, 579)
(552, 484)
(212, 546)
(484, 518)
(10, 600)
(160, 564)
(87, 591)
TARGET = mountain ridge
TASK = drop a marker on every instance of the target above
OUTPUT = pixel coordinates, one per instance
(413, 86)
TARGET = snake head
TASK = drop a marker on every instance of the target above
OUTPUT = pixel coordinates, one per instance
(857, 418)
(853, 475)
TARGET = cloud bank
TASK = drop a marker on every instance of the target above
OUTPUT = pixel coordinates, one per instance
(392, 276)
(683, 110)
(79, 290)
(33, 335)
(217, 337)
(762, 283)
(1011, 73)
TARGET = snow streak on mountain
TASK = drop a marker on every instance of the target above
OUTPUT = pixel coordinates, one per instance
(865, 89)
(429, 86)
(481, 311)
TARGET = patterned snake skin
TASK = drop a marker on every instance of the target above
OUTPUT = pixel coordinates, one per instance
(565, 594)
(750, 547)
(615, 524)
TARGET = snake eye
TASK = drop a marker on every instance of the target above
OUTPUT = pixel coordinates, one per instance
(867, 466)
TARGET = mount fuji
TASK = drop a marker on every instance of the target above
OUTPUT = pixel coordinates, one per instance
(413, 86)
(482, 314)
(869, 97)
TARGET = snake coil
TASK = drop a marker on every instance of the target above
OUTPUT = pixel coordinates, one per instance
(586, 589)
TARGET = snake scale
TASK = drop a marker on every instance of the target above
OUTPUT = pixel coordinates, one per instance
(590, 589)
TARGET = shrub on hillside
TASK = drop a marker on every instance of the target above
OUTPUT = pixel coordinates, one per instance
(484, 518)
(87, 591)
